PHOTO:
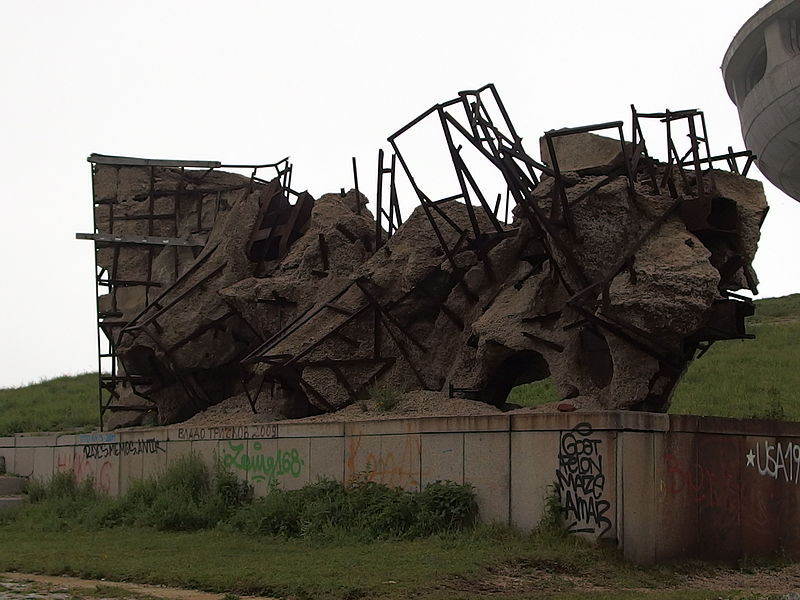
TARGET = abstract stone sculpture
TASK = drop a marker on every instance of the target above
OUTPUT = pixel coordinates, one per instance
(614, 271)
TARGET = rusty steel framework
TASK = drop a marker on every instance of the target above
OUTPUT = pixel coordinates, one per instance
(479, 119)
(468, 119)
(110, 327)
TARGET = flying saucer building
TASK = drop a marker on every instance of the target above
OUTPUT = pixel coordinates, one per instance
(762, 74)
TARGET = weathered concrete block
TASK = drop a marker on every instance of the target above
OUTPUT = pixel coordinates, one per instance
(678, 484)
(362, 453)
(768, 503)
(293, 462)
(312, 430)
(23, 461)
(207, 451)
(326, 458)
(131, 468)
(637, 454)
(43, 463)
(383, 427)
(175, 450)
(442, 458)
(464, 423)
(8, 453)
(486, 466)
(534, 462)
(399, 462)
(35, 440)
(10, 486)
(154, 463)
(585, 153)
(255, 460)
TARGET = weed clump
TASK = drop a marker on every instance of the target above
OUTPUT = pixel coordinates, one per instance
(191, 496)
(187, 496)
(385, 396)
(364, 510)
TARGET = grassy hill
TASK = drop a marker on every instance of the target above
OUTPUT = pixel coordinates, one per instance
(749, 378)
(59, 404)
(739, 378)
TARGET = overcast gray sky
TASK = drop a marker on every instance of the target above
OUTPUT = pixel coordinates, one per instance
(250, 82)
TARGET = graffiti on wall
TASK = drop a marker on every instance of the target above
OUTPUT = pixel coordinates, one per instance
(99, 471)
(713, 487)
(129, 448)
(714, 479)
(95, 457)
(580, 482)
(228, 432)
(779, 460)
(262, 467)
(400, 468)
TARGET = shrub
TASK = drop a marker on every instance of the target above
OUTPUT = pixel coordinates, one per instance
(552, 517)
(364, 509)
(189, 496)
(445, 505)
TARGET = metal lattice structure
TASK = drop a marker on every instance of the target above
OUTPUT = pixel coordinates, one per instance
(161, 220)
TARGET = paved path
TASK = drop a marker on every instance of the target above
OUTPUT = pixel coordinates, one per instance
(26, 586)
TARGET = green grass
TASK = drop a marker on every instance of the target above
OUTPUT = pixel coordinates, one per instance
(26, 588)
(198, 528)
(771, 309)
(746, 378)
(487, 562)
(63, 403)
(534, 394)
(749, 378)
(457, 565)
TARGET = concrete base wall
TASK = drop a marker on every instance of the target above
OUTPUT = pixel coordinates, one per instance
(660, 486)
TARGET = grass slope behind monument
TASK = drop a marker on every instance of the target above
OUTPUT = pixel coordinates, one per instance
(749, 378)
(68, 402)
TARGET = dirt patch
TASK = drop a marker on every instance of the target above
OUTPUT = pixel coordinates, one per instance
(527, 579)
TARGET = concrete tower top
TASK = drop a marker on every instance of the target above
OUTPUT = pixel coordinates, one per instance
(762, 75)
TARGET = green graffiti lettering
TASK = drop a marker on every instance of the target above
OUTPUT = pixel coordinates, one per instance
(260, 467)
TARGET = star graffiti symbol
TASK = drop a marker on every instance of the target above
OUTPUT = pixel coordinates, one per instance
(751, 457)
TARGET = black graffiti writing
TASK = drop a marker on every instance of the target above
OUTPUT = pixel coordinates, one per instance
(226, 432)
(132, 448)
(580, 482)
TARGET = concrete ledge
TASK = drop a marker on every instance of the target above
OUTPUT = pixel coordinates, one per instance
(11, 486)
(730, 426)
(36, 440)
(287, 429)
(600, 421)
(454, 424)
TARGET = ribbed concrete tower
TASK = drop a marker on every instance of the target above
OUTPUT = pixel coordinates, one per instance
(762, 73)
